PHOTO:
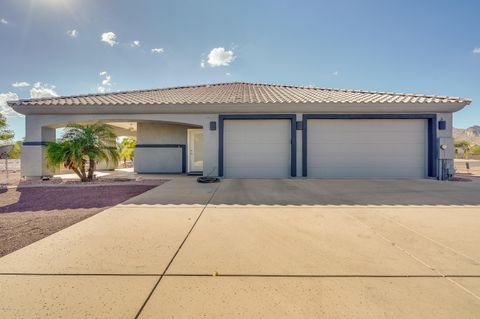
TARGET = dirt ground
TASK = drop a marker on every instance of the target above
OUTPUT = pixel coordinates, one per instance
(13, 178)
(30, 214)
(473, 168)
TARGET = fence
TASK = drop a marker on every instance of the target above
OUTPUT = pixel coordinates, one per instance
(13, 164)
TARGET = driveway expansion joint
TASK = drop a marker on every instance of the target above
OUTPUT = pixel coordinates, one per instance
(176, 253)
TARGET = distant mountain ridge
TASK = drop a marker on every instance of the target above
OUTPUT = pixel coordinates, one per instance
(471, 134)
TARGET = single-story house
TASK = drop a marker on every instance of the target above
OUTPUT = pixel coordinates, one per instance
(250, 130)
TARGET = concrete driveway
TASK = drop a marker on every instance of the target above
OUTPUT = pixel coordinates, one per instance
(260, 249)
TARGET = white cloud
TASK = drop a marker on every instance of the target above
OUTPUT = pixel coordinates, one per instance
(335, 73)
(110, 38)
(72, 33)
(20, 84)
(3, 21)
(41, 90)
(228, 74)
(220, 57)
(106, 82)
(158, 50)
(476, 51)
(202, 63)
(135, 44)
(4, 108)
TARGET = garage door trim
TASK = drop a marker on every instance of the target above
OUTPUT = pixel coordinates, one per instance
(293, 135)
(431, 131)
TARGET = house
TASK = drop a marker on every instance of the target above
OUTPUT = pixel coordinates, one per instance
(250, 130)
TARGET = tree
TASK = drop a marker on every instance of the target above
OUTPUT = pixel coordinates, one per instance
(127, 147)
(464, 146)
(6, 135)
(15, 153)
(475, 150)
(81, 146)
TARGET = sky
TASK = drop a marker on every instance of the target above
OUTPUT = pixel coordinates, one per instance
(67, 47)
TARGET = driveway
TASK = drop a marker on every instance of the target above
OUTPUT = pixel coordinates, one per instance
(260, 249)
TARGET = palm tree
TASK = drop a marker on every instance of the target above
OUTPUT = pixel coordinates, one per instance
(465, 146)
(82, 145)
(126, 149)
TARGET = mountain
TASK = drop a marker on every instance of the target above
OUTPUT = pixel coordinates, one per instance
(471, 134)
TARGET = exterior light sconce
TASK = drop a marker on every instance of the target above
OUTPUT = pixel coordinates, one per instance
(213, 126)
(442, 125)
(299, 125)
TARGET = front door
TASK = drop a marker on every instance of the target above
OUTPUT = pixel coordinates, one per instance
(195, 150)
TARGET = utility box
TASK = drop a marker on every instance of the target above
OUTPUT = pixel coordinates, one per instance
(445, 151)
(445, 148)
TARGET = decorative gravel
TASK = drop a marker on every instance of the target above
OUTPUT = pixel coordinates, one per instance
(32, 213)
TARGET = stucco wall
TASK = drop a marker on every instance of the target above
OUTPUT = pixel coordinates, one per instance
(158, 133)
(159, 159)
(445, 137)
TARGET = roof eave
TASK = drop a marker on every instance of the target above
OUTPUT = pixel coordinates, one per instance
(219, 108)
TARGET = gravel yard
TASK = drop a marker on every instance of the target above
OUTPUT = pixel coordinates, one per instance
(30, 214)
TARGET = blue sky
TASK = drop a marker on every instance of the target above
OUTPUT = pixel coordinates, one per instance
(403, 46)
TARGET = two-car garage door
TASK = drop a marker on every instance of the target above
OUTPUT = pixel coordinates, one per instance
(366, 148)
(335, 148)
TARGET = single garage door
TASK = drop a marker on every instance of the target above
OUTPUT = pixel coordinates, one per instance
(256, 148)
(367, 148)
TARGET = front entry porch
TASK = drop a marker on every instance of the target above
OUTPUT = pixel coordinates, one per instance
(165, 144)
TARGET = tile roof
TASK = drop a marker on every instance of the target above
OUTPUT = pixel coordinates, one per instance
(242, 93)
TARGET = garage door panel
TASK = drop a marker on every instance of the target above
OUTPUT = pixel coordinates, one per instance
(244, 131)
(360, 126)
(364, 148)
(263, 157)
(367, 172)
(256, 148)
(367, 138)
(374, 161)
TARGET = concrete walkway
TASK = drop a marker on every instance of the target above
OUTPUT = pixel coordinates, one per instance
(260, 249)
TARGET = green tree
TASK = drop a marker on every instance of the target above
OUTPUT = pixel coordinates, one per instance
(475, 150)
(465, 147)
(15, 153)
(126, 149)
(6, 135)
(81, 146)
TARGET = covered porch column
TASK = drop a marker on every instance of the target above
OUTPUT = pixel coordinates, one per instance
(33, 149)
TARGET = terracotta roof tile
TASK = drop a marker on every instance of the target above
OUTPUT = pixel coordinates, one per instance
(242, 93)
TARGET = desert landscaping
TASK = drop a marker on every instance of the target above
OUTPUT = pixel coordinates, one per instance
(30, 211)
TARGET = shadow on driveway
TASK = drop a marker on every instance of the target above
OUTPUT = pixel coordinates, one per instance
(346, 192)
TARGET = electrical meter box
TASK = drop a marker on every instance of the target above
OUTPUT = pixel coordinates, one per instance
(445, 148)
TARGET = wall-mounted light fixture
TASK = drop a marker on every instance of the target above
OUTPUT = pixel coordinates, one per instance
(442, 125)
(299, 125)
(213, 126)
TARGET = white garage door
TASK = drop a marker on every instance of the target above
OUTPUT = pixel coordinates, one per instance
(367, 148)
(256, 148)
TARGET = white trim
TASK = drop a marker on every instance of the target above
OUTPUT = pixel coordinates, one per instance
(190, 143)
